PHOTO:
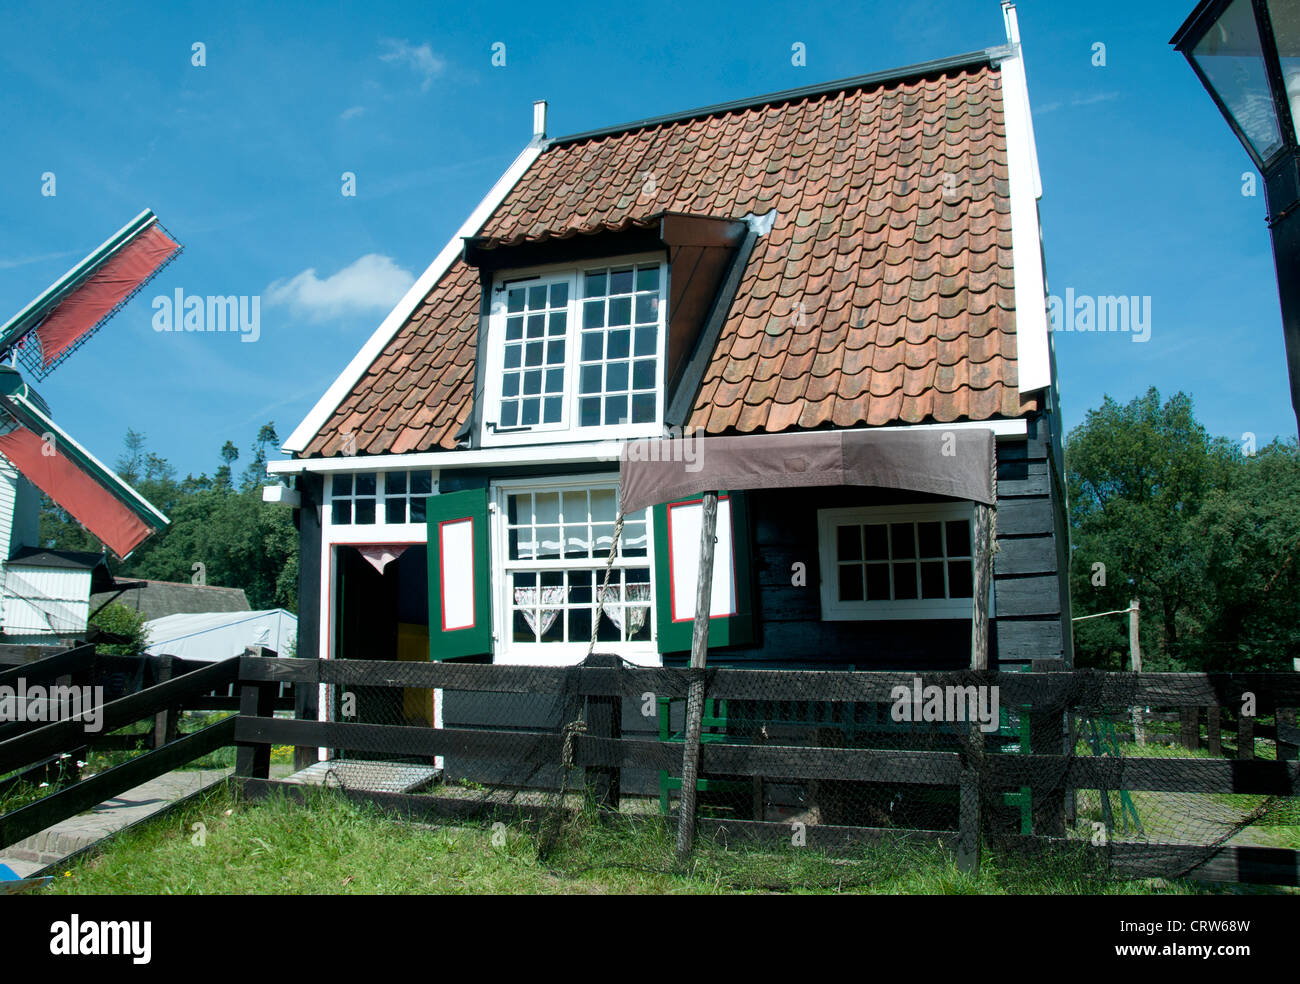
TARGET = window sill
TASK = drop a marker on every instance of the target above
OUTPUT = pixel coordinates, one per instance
(892, 611)
(524, 438)
(569, 654)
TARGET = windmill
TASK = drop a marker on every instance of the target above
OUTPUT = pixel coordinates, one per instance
(40, 338)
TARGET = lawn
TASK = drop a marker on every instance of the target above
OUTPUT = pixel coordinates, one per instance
(332, 845)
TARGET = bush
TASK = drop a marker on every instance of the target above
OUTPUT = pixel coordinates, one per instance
(125, 623)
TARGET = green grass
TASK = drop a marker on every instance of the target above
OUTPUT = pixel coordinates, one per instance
(332, 845)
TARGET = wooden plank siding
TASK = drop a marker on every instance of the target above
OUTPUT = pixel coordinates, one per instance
(1031, 567)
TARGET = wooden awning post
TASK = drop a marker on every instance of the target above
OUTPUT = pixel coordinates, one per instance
(982, 577)
(695, 692)
(970, 791)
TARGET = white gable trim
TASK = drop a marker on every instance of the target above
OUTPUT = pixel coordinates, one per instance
(1033, 350)
(320, 413)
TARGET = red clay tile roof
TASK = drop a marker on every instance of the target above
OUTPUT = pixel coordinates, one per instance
(881, 295)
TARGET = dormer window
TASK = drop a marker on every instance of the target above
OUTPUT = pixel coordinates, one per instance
(576, 352)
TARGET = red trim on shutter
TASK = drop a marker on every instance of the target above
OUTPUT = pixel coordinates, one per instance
(672, 582)
(442, 581)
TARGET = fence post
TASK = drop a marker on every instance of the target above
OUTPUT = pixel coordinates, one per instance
(604, 720)
(1048, 732)
(1191, 727)
(695, 692)
(1213, 730)
(1245, 736)
(306, 707)
(256, 699)
(166, 722)
(970, 808)
(1287, 746)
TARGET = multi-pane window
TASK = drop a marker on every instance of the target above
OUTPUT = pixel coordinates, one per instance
(579, 351)
(355, 498)
(404, 495)
(896, 562)
(532, 380)
(352, 498)
(557, 544)
(620, 346)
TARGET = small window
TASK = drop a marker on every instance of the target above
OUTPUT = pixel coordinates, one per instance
(404, 495)
(896, 562)
(353, 498)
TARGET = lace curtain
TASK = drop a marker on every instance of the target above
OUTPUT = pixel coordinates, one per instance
(636, 616)
(540, 619)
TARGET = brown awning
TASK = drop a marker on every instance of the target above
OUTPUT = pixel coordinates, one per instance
(959, 463)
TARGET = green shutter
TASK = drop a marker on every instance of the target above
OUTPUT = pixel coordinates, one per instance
(460, 609)
(736, 629)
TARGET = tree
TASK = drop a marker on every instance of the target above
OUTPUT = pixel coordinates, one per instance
(1251, 531)
(1190, 527)
(239, 540)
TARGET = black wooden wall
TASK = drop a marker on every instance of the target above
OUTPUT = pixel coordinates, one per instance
(1031, 566)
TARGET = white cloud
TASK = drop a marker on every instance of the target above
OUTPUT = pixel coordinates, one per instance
(372, 283)
(1075, 102)
(352, 112)
(419, 58)
(41, 258)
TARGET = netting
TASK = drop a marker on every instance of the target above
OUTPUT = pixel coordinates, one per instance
(839, 766)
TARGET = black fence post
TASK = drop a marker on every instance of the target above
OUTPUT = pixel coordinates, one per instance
(165, 722)
(1190, 718)
(604, 720)
(970, 818)
(1214, 730)
(1288, 739)
(306, 707)
(1245, 737)
(1048, 733)
(256, 699)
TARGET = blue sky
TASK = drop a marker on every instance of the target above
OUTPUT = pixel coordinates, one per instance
(242, 160)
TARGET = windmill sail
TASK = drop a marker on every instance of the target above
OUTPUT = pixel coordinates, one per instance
(65, 471)
(75, 306)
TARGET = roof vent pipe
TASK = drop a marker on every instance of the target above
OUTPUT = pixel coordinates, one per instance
(539, 119)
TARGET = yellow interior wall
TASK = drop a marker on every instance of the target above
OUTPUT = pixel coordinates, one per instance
(413, 645)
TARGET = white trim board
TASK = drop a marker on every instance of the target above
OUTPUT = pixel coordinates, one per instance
(583, 452)
(385, 333)
(1033, 353)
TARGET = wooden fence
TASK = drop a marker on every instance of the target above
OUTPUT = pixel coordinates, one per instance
(602, 751)
(257, 686)
(149, 690)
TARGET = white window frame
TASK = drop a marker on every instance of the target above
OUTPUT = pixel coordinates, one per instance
(407, 496)
(494, 368)
(835, 610)
(505, 649)
(380, 531)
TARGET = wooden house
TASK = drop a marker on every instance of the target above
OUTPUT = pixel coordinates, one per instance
(863, 254)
